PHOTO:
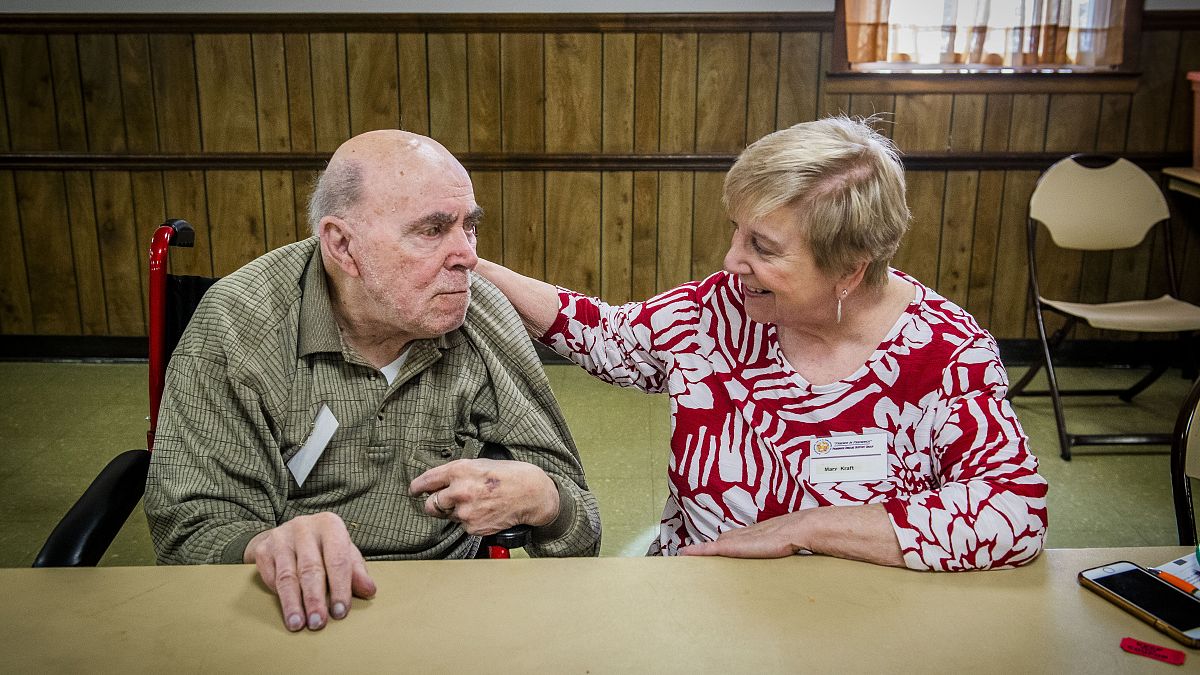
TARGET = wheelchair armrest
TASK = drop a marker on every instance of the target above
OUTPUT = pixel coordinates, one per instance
(89, 527)
(516, 536)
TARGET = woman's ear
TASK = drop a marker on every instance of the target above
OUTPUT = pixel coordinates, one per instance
(336, 235)
(852, 279)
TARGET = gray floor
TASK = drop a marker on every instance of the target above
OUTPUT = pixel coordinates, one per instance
(60, 422)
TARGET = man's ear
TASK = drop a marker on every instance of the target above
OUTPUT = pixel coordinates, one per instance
(336, 235)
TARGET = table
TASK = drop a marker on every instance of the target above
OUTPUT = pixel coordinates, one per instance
(1185, 180)
(657, 615)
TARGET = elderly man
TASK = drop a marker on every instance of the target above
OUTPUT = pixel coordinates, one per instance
(329, 400)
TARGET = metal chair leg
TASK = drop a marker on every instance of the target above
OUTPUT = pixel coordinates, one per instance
(1064, 439)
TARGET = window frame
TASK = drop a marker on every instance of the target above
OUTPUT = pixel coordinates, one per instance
(841, 79)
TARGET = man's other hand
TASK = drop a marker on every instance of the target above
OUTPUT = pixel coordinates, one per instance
(307, 560)
(488, 495)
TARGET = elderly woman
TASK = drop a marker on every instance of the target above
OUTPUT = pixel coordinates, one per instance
(821, 401)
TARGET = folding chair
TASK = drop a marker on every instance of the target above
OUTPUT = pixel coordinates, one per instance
(1096, 203)
(89, 527)
(1185, 465)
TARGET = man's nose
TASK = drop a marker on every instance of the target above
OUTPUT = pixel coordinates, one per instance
(462, 250)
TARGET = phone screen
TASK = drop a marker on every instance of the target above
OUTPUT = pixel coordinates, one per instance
(1176, 608)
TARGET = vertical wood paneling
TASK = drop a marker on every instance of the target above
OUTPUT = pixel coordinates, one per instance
(984, 251)
(1180, 126)
(573, 216)
(120, 252)
(800, 72)
(225, 81)
(373, 80)
(149, 210)
(1010, 297)
(674, 229)
(573, 93)
(618, 99)
(525, 222)
(678, 103)
(483, 90)
(176, 106)
(763, 85)
(710, 229)
(996, 122)
(1027, 132)
(302, 186)
(523, 104)
(1114, 120)
(187, 198)
(86, 253)
(616, 237)
(922, 121)
(270, 92)
(414, 83)
(1147, 127)
(829, 104)
(1073, 120)
(68, 98)
(301, 126)
(448, 90)
(967, 123)
(645, 234)
(101, 89)
(722, 70)
(41, 204)
(331, 113)
(16, 315)
(489, 194)
(279, 213)
(235, 208)
(958, 235)
(918, 254)
(137, 93)
(647, 92)
(28, 92)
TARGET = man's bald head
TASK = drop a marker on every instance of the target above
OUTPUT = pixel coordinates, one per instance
(386, 156)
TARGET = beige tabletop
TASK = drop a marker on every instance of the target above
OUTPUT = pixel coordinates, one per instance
(1183, 179)
(810, 614)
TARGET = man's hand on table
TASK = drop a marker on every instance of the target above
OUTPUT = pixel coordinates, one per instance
(306, 559)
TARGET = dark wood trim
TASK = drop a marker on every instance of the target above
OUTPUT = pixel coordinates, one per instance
(478, 161)
(983, 82)
(365, 22)
(1188, 19)
(701, 22)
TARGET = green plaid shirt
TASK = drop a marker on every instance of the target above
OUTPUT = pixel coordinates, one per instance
(244, 387)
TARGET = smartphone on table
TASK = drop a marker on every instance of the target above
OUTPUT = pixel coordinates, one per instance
(1142, 594)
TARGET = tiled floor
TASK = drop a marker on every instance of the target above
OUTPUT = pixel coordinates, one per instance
(59, 423)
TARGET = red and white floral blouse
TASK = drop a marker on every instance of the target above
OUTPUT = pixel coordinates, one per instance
(961, 487)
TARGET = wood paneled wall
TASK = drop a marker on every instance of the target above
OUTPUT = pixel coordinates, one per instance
(73, 240)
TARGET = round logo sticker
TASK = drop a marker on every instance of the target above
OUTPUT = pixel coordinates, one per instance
(822, 446)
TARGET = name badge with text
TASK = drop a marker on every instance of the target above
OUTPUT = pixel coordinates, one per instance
(854, 458)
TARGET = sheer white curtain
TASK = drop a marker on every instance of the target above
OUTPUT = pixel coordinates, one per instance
(985, 33)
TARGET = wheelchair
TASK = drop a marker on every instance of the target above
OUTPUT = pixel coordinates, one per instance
(87, 530)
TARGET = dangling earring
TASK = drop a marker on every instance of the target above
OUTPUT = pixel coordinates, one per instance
(840, 298)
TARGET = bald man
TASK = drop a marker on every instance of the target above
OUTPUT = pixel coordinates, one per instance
(328, 401)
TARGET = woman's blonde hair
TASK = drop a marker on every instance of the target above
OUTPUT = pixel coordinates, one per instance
(846, 181)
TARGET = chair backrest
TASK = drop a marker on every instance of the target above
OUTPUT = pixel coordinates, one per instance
(1185, 464)
(1097, 208)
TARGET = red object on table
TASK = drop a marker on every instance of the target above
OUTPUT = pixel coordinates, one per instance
(1153, 651)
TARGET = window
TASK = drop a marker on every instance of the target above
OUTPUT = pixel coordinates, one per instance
(915, 39)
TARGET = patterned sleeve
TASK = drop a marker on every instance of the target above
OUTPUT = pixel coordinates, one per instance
(626, 345)
(989, 510)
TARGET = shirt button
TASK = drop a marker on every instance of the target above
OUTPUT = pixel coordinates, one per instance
(447, 453)
(379, 417)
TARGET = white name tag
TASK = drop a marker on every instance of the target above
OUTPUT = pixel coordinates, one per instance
(854, 458)
(302, 462)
